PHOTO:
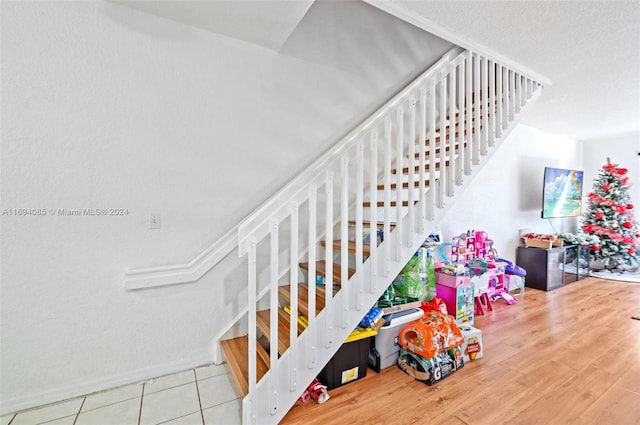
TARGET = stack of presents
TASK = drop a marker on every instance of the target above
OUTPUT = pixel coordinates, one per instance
(423, 323)
(465, 281)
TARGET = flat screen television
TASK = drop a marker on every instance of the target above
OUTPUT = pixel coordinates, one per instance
(562, 193)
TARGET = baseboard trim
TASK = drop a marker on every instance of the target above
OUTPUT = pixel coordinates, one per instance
(17, 404)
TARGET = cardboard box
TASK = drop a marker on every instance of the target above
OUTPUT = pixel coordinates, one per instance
(451, 280)
(401, 307)
(431, 370)
(537, 243)
(386, 342)
(472, 347)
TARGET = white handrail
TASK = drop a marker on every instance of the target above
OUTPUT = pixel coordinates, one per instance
(192, 271)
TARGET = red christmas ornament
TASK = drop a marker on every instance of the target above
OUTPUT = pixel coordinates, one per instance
(588, 228)
(627, 225)
(629, 206)
(606, 187)
(631, 251)
(599, 214)
(595, 247)
(622, 171)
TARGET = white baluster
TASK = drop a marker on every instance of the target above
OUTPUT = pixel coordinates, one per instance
(412, 172)
(484, 102)
(468, 157)
(426, 205)
(344, 237)
(507, 101)
(373, 214)
(328, 281)
(492, 103)
(293, 281)
(512, 95)
(461, 122)
(359, 231)
(311, 320)
(442, 179)
(519, 96)
(431, 110)
(251, 315)
(499, 101)
(399, 190)
(273, 316)
(477, 134)
(453, 129)
(387, 198)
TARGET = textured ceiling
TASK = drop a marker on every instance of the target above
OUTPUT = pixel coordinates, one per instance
(589, 50)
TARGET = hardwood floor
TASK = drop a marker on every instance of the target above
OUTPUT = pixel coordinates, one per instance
(569, 356)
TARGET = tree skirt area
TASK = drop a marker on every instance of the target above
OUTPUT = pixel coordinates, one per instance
(626, 275)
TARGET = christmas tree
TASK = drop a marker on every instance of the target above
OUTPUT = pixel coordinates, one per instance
(610, 216)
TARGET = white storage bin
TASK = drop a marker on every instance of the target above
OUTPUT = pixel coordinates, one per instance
(387, 339)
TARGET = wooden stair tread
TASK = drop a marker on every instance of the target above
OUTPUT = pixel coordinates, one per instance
(263, 319)
(366, 224)
(438, 150)
(320, 270)
(367, 204)
(405, 185)
(351, 246)
(427, 166)
(448, 137)
(236, 352)
(303, 297)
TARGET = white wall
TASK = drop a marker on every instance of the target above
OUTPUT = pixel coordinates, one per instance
(106, 107)
(622, 150)
(506, 195)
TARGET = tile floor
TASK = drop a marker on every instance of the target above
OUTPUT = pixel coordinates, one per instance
(205, 395)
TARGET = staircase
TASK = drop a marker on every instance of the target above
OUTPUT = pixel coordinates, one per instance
(398, 172)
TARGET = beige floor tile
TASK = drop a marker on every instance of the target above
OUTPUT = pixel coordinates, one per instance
(229, 413)
(192, 419)
(169, 404)
(49, 412)
(217, 390)
(123, 413)
(164, 382)
(116, 395)
(68, 420)
(205, 372)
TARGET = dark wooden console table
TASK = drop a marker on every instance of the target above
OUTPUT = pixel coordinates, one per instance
(552, 268)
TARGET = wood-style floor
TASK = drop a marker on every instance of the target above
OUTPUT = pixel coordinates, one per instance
(569, 356)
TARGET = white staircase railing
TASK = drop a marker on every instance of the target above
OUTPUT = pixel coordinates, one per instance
(463, 106)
